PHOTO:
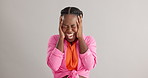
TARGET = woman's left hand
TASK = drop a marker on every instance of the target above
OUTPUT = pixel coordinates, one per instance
(79, 25)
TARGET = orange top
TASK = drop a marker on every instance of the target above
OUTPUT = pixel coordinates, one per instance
(71, 56)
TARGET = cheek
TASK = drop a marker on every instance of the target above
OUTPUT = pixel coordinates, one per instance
(75, 29)
(64, 30)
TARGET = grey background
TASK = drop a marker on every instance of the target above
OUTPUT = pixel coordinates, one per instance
(120, 28)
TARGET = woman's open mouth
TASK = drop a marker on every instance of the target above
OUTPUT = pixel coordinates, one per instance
(70, 36)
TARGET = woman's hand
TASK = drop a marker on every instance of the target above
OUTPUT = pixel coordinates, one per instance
(82, 45)
(61, 33)
(60, 44)
(79, 25)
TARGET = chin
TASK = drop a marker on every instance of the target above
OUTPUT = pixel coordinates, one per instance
(71, 40)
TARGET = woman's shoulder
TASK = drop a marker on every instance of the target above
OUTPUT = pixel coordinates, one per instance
(53, 37)
(88, 37)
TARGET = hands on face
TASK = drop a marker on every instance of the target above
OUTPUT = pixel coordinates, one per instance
(61, 33)
(79, 25)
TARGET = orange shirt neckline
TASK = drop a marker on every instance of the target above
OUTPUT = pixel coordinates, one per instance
(71, 56)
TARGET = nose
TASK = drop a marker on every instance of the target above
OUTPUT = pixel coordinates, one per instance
(69, 29)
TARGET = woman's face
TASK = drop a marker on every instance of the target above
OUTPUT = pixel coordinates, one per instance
(69, 27)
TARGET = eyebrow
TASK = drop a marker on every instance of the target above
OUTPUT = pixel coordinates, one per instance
(68, 25)
(65, 24)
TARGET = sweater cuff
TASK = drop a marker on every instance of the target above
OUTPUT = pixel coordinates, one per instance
(88, 52)
(57, 52)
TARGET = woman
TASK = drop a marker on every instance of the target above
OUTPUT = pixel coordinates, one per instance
(71, 54)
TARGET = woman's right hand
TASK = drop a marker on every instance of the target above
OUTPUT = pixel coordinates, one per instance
(61, 33)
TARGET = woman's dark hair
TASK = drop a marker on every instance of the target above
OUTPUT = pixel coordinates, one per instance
(71, 10)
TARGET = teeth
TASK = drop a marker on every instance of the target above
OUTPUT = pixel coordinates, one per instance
(70, 36)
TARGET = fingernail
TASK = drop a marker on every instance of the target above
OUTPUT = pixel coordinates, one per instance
(78, 16)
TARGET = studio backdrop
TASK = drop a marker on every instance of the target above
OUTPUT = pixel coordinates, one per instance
(120, 28)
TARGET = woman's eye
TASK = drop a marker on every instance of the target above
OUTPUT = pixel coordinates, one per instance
(64, 26)
(73, 26)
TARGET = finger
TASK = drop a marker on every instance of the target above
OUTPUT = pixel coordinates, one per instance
(77, 23)
(80, 18)
(61, 23)
(60, 28)
(81, 15)
(61, 20)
